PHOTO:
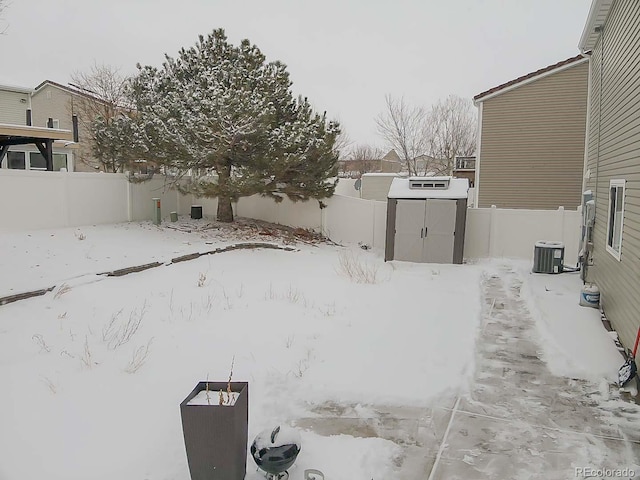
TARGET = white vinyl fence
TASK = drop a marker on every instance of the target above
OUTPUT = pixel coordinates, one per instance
(495, 232)
(35, 200)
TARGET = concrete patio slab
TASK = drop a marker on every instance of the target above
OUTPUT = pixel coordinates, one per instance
(516, 421)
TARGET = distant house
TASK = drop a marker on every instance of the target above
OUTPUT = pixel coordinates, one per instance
(422, 164)
(390, 163)
(612, 170)
(465, 167)
(25, 145)
(15, 102)
(59, 102)
(356, 168)
(531, 142)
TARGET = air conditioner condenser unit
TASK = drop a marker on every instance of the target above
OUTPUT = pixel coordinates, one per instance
(548, 257)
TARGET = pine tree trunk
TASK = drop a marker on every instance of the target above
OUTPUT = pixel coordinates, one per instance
(225, 212)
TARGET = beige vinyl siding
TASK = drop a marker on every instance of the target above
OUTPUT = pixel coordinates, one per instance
(50, 102)
(53, 102)
(614, 153)
(13, 107)
(532, 151)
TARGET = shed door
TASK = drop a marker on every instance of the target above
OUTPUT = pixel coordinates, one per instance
(440, 226)
(409, 230)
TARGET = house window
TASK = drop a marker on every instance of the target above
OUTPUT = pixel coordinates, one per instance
(37, 161)
(15, 160)
(465, 163)
(616, 216)
(60, 162)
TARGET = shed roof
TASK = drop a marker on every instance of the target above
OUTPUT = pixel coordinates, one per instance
(458, 188)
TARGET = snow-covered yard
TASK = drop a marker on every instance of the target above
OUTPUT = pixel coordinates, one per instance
(92, 373)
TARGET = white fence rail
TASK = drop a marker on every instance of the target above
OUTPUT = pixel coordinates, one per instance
(35, 200)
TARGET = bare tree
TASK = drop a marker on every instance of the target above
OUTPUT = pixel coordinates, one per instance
(342, 144)
(365, 159)
(102, 100)
(452, 130)
(404, 128)
(428, 141)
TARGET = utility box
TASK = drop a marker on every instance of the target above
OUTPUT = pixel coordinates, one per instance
(196, 212)
(157, 214)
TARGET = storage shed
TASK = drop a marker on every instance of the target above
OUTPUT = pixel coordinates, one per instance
(426, 219)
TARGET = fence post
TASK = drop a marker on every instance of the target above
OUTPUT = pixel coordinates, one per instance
(323, 220)
(129, 198)
(493, 232)
(561, 219)
(178, 201)
(67, 200)
(373, 224)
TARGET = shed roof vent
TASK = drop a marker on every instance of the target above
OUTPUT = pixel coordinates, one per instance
(429, 183)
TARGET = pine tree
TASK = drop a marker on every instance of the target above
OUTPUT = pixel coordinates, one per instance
(115, 141)
(219, 108)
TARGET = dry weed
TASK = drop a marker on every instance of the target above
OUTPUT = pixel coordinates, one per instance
(47, 381)
(292, 295)
(289, 342)
(357, 270)
(117, 333)
(138, 358)
(39, 339)
(86, 358)
(64, 288)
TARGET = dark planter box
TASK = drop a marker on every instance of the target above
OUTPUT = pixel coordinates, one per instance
(215, 436)
(196, 212)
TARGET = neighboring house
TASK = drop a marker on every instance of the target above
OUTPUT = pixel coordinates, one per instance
(390, 163)
(465, 167)
(61, 103)
(428, 165)
(15, 102)
(612, 170)
(355, 168)
(26, 146)
(531, 140)
(423, 165)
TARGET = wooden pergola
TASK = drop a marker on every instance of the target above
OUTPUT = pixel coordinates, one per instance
(41, 137)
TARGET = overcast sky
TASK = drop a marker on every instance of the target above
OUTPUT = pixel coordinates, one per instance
(344, 55)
